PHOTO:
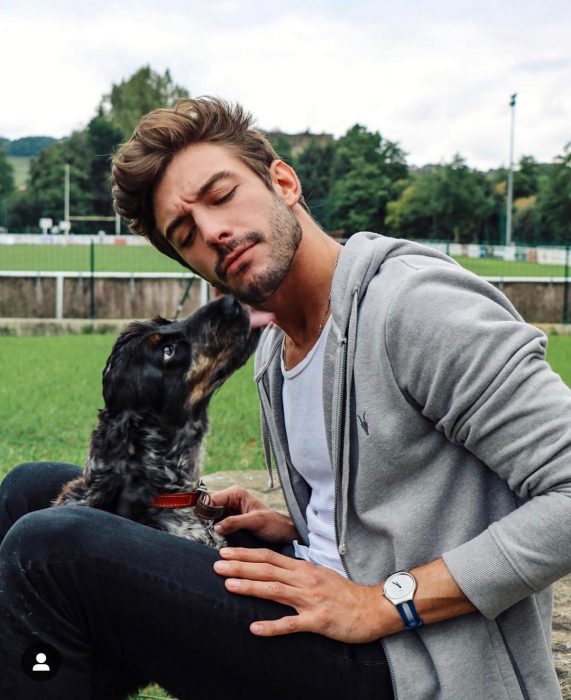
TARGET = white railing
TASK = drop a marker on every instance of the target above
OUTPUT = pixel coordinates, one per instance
(61, 276)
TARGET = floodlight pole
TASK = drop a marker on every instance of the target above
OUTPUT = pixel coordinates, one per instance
(509, 205)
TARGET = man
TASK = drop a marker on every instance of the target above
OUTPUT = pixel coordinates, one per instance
(422, 443)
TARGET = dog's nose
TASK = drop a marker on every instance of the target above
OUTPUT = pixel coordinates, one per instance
(231, 305)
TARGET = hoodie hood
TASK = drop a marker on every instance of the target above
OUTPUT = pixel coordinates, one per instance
(360, 260)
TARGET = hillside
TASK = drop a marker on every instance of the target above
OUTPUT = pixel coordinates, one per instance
(26, 146)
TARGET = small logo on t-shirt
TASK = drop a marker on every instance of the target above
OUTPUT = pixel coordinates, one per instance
(363, 422)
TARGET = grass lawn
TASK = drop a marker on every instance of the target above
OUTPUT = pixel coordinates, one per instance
(51, 391)
(517, 268)
(559, 356)
(76, 258)
(47, 258)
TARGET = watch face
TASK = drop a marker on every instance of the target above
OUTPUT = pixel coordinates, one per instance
(399, 586)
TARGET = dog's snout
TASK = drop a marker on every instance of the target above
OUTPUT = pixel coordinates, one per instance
(231, 305)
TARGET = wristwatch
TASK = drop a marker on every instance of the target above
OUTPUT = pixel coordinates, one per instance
(399, 588)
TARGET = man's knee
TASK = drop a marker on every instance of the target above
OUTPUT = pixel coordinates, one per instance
(32, 486)
(18, 476)
(51, 534)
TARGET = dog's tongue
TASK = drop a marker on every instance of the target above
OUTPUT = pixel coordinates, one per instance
(259, 319)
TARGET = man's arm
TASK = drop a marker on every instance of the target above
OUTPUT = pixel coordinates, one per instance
(327, 603)
(265, 573)
(462, 354)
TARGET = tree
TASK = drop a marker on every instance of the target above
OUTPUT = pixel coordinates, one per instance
(282, 147)
(554, 201)
(313, 167)
(102, 139)
(412, 215)
(144, 91)
(45, 193)
(6, 176)
(6, 186)
(525, 224)
(526, 177)
(364, 171)
(29, 145)
(450, 202)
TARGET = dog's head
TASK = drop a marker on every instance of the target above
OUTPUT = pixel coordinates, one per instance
(171, 368)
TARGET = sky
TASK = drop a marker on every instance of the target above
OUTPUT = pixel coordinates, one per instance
(436, 77)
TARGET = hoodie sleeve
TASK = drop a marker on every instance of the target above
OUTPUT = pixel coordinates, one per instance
(461, 352)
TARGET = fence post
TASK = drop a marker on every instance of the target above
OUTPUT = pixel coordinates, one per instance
(92, 281)
(566, 287)
(59, 297)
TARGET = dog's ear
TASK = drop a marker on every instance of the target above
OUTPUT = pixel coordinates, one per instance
(121, 380)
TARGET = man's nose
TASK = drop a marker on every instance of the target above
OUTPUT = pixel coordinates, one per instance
(215, 231)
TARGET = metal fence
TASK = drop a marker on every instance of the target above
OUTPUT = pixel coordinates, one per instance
(89, 258)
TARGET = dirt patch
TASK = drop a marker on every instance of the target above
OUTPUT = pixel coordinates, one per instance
(256, 481)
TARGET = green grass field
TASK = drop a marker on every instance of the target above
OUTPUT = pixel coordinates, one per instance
(491, 268)
(76, 258)
(51, 391)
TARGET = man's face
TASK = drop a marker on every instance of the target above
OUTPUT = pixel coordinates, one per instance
(223, 220)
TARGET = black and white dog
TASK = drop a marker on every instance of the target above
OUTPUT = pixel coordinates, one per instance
(146, 452)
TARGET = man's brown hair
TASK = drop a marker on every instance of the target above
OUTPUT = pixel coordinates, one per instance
(139, 164)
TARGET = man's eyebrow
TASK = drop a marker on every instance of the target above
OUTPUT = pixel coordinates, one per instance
(208, 185)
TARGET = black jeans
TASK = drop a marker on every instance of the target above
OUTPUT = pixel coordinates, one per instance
(125, 604)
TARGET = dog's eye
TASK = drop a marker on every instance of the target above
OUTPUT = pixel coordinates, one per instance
(168, 352)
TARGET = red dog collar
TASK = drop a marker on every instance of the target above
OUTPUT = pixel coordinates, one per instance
(199, 500)
(177, 500)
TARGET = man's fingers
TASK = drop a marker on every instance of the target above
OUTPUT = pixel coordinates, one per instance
(253, 521)
(237, 499)
(261, 556)
(273, 628)
(257, 572)
(231, 498)
(269, 590)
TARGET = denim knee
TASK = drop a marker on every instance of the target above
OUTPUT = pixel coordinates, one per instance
(19, 476)
(49, 535)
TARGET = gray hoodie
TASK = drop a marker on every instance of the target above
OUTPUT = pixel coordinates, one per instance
(449, 436)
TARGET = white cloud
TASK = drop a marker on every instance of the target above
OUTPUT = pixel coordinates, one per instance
(438, 81)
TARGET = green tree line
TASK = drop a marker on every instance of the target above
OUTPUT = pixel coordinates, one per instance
(360, 181)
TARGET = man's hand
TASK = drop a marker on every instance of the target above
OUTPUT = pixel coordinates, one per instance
(326, 603)
(249, 513)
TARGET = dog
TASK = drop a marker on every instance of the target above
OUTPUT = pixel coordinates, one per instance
(145, 457)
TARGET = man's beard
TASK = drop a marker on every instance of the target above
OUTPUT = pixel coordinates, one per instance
(283, 240)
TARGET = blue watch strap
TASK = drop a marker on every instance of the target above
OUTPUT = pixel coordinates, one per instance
(409, 615)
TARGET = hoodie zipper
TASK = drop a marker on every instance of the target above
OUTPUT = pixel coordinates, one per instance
(337, 473)
(273, 455)
(339, 449)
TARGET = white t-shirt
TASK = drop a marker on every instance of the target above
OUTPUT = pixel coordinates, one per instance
(305, 427)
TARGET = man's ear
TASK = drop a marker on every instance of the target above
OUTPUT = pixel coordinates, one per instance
(285, 182)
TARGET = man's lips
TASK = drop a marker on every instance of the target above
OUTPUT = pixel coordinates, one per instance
(234, 255)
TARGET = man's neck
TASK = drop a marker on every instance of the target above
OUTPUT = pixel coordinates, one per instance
(301, 303)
